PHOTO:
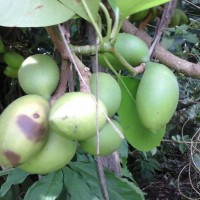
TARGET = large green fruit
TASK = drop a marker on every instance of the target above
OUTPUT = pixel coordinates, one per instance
(39, 74)
(109, 140)
(157, 96)
(56, 153)
(132, 48)
(108, 91)
(13, 59)
(23, 129)
(74, 115)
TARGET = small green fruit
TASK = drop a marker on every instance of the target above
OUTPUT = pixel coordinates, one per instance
(109, 140)
(39, 74)
(13, 59)
(11, 72)
(74, 115)
(157, 96)
(108, 91)
(56, 153)
(132, 48)
(139, 16)
(23, 129)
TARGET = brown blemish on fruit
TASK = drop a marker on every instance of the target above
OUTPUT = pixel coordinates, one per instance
(36, 115)
(12, 157)
(39, 6)
(30, 128)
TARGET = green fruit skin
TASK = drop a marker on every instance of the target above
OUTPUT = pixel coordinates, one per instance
(74, 115)
(23, 129)
(178, 18)
(11, 72)
(13, 59)
(132, 48)
(109, 140)
(139, 16)
(108, 91)
(39, 74)
(56, 153)
(157, 96)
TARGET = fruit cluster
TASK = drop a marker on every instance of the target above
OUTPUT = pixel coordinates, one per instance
(41, 138)
(12, 60)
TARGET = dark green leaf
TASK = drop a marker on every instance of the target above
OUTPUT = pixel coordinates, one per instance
(78, 8)
(37, 13)
(135, 132)
(48, 187)
(16, 176)
(76, 185)
(118, 188)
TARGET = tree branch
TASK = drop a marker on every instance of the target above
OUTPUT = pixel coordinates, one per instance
(164, 56)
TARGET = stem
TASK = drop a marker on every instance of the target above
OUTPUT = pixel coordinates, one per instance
(108, 21)
(102, 178)
(124, 62)
(92, 20)
(61, 89)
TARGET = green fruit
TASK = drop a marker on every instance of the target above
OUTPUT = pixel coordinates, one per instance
(13, 59)
(109, 140)
(39, 74)
(11, 72)
(2, 46)
(108, 91)
(139, 16)
(157, 96)
(23, 129)
(132, 48)
(56, 153)
(74, 115)
(178, 18)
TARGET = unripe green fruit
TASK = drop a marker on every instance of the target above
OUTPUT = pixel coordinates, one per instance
(11, 72)
(56, 153)
(39, 74)
(132, 48)
(13, 59)
(178, 18)
(109, 140)
(157, 96)
(108, 91)
(23, 129)
(139, 16)
(74, 115)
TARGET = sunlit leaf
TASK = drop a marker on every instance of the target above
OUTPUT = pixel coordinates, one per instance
(37, 13)
(135, 132)
(79, 9)
(128, 7)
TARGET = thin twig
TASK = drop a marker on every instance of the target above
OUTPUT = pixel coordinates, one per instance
(164, 22)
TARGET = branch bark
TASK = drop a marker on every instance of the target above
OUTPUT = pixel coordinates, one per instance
(164, 56)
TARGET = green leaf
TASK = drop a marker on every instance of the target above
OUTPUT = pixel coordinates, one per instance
(78, 8)
(128, 7)
(16, 176)
(37, 13)
(118, 188)
(135, 132)
(76, 185)
(47, 188)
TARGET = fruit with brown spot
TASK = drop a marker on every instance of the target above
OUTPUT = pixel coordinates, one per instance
(23, 129)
